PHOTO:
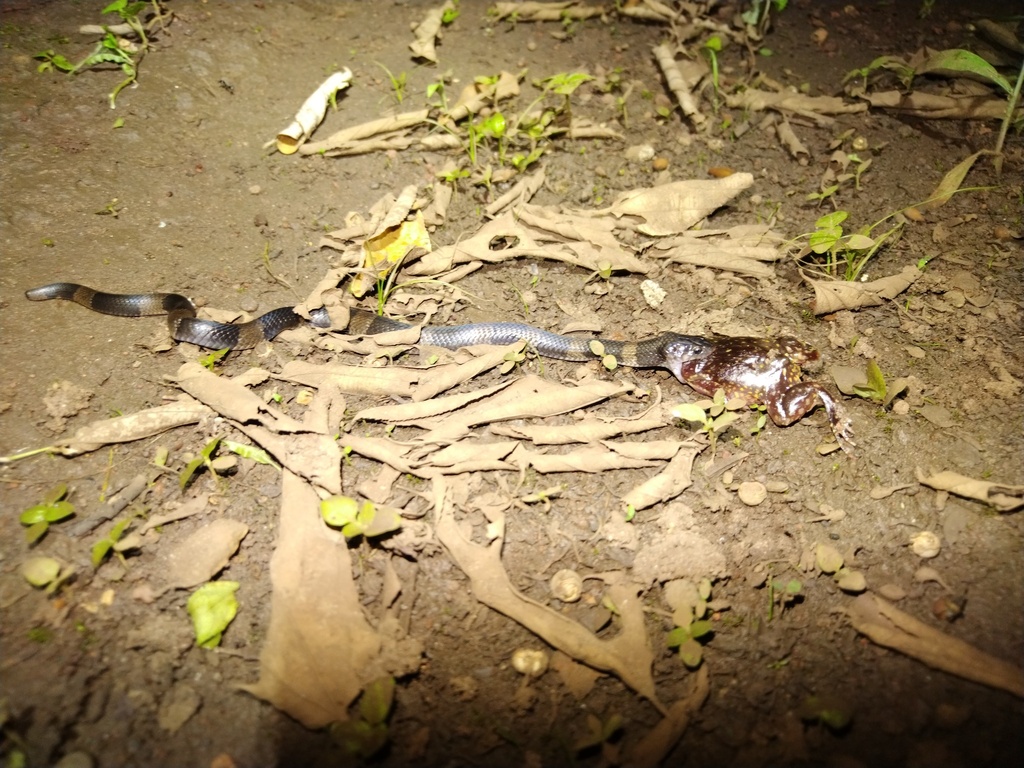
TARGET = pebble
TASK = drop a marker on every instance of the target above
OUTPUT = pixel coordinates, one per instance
(752, 493)
(660, 163)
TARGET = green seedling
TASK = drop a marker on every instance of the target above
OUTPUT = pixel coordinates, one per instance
(46, 573)
(826, 710)
(451, 14)
(609, 361)
(713, 417)
(601, 733)
(953, 62)
(108, 544)
(205, 459)
(852, 251)
(783, 593)
(875, 388)
(364, 736)
(687, 641)
(53, 508)
(210, 361)
(825, 194)
(710, 50)
(355, 519)
(397, 83)
(690, 606)
(212, 607)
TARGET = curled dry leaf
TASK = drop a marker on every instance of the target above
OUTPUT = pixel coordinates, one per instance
(833, 295)
(426, 32)
(668, 483)
(1004, 498)
(311, 113)
(675, 207)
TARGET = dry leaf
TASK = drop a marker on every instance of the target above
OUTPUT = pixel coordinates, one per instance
(203, 554)
(426, 32)
(833, 295)
(320, 650)
(675, 207)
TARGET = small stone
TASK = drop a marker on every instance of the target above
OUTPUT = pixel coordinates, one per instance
(640, 153)
(255, 189)
(752, 493)
(776, 486)
(660, 163)
(926, 545)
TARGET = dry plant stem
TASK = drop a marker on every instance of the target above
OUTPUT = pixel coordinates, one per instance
(674, 78)
(659, 741)
(627, 655)
(888, 626)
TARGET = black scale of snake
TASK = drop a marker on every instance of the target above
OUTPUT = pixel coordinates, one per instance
(667, 350)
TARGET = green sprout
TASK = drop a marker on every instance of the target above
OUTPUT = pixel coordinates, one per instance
(397, 83)
(364, 736)
(713, 417)
(355, 519)
(53, 508)
(108, 543)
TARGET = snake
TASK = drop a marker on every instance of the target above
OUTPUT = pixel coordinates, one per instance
(667, 350)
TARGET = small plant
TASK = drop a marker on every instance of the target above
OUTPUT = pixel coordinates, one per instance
(758, 16)
(691, 606)
(52, 509)
(713, 417)
(711, 48)
(209, 362)
(355, 519)
(397, 83)
(109, 543)
(205, 459)
(783, 593)
(875, 388)
(826, 710)
(846, 254)
(366, 735)
(112, 49)
(46, 573)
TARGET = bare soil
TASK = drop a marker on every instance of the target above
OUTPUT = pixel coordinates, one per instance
(203, 209)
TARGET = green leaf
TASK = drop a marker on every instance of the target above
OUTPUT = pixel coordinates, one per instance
(212, 607)
(830, 220)
(40, 571)
(824, 239)
(188, 471)
(58, 511)
(700, 628)
(375, 521)
(375, 703)
(33, 515)
(338, 511)
(677, 637)
(689, 412)
(35, 532)
(359, 738)
(100, 550)
(55, 494)
(249, 452)
(958, 60)
(691, 652)
(859, 242)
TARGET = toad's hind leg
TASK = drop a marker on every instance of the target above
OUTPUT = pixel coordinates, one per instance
(800, 398)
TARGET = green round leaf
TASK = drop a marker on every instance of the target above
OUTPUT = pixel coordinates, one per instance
(40, 571)
(212, 607)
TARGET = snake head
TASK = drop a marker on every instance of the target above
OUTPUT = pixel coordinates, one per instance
(678, 350)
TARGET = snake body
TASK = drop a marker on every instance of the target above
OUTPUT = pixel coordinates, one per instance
(667, 350)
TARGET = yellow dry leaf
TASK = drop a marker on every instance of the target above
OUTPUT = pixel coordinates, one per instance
(383, 252)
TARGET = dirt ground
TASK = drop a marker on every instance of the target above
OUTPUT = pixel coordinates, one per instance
(185, 197)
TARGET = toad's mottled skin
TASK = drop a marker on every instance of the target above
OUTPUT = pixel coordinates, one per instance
(765, 372)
